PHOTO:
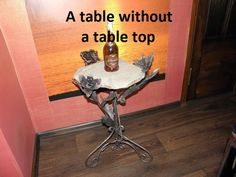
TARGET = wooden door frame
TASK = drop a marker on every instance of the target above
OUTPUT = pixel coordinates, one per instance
(200, 9)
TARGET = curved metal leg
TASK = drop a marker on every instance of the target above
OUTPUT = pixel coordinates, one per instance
(142, 152)
(93, 158)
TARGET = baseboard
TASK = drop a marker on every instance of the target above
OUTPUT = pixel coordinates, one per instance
(36, 156)
(79, 127)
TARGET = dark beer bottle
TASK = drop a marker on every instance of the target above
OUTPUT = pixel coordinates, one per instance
(110, 51)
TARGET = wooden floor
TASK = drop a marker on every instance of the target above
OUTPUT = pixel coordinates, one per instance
(187, 141)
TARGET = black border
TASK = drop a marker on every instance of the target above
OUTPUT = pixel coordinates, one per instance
(75, 93)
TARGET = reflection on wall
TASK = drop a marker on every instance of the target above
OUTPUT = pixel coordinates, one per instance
(59, 43)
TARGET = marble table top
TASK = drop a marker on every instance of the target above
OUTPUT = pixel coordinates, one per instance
(127, 75)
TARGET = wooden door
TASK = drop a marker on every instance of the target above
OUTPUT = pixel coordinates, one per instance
(211, 63)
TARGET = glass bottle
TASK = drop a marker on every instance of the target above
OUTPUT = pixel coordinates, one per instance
(110, 51)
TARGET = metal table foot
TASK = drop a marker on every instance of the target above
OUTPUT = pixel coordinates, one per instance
(118, 143)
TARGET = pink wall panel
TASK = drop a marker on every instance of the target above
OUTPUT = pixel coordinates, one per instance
(179, 31)
(8, 166)
(50, 115)
(17, 32)
(15, 122)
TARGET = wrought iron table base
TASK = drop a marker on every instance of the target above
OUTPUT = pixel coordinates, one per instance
(116, 139)
(119, 141)
(94, 157)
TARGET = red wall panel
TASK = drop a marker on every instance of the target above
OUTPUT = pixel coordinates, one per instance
(17, 132)
(8, 165)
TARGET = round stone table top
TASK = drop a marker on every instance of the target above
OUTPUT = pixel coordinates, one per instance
(127, 75)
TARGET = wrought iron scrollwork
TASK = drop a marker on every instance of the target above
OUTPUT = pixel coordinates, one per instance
(136, 87)
(145, 62)
(90, 56)
(89, 85)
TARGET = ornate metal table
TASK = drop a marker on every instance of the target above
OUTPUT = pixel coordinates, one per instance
(120, 84)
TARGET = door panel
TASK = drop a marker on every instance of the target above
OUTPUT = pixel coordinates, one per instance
(213, 62)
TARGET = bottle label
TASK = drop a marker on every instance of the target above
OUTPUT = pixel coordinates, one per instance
(111, 61)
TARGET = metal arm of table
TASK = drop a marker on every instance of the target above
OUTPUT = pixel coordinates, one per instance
(116, 139)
